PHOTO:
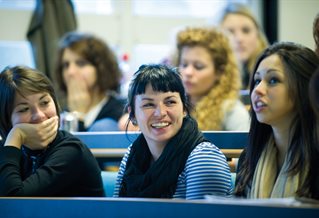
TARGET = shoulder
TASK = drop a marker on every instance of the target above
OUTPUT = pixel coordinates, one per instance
(67, 141)
(206, 151)
(116, 101)
(236, 116)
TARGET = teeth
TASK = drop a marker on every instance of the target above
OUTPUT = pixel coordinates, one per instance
(260, 104)
(160, 125)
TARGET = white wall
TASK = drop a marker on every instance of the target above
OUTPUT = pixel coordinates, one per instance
(296, 21)
(125, 30)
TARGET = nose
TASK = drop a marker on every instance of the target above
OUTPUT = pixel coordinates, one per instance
(160, 110)
(187, 71)
(71, 69)
(37, 115)
(238, 36)
(260, 89)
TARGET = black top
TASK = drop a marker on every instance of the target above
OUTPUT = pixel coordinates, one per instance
(114, 108)
(66, 168)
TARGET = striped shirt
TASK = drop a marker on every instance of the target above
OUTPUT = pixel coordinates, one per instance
(206, 172)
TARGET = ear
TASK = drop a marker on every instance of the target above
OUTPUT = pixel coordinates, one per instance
(131, 116)
(184, 113)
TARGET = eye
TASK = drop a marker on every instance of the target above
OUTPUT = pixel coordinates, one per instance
(246, 30)
(170, 102)
(147, 105)
(273, 81)
(82, 63)
(183, 65)
(22, 109)
(65, 65)
(44, 103)
(256, 82)
(199, 66)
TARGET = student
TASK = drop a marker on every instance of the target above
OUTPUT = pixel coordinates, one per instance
(211, 79)
(170, 158)
(88, 73)
(36, 159)
(281, 159)
(248, 37)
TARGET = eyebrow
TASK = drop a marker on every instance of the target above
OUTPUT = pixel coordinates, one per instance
(151, 99)
(268, 71)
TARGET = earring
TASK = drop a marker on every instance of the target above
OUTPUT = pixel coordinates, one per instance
(134, 122)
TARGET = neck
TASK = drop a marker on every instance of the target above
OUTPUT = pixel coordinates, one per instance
(281, 137)
(97, 98)
(156, 150)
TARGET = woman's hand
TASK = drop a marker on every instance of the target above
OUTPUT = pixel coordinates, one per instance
(34, 136)
(79, 98)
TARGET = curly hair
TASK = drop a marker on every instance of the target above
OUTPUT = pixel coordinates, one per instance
(209, 111)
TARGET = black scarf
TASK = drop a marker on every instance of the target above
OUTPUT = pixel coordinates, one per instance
(159, 180)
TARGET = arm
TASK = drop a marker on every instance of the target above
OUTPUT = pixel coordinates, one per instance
(207, 172)
(121, 173)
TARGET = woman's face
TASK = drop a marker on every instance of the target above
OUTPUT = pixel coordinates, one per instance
(244, 35)
(159, 115)
(270, 98)
(197, 70)
(78, 70)
(33, 108)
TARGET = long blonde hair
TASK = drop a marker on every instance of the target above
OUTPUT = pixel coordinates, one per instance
(237, 8)
(209, 111)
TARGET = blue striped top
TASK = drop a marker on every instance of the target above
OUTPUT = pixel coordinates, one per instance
(206, 172)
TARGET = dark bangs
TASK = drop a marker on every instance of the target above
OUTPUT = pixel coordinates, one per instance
(161, 80)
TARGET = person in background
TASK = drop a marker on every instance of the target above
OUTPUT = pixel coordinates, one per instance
(211, 78)
(170, 158)
(248, 38)
(88, 73)
(281, 158)
(37, 159)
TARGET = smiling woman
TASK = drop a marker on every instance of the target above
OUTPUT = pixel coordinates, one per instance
(170, 158)
(36, 158)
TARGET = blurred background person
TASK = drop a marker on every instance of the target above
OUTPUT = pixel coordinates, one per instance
(248, 37)
(211, 78)
(88, 74)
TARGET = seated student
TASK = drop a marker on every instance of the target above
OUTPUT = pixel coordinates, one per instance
(281, 159)
(88, 73)
(248, 37)
(211, 79)
(170, 158)
(36, 159)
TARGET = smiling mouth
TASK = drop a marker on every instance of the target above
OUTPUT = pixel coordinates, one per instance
(160, 125)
